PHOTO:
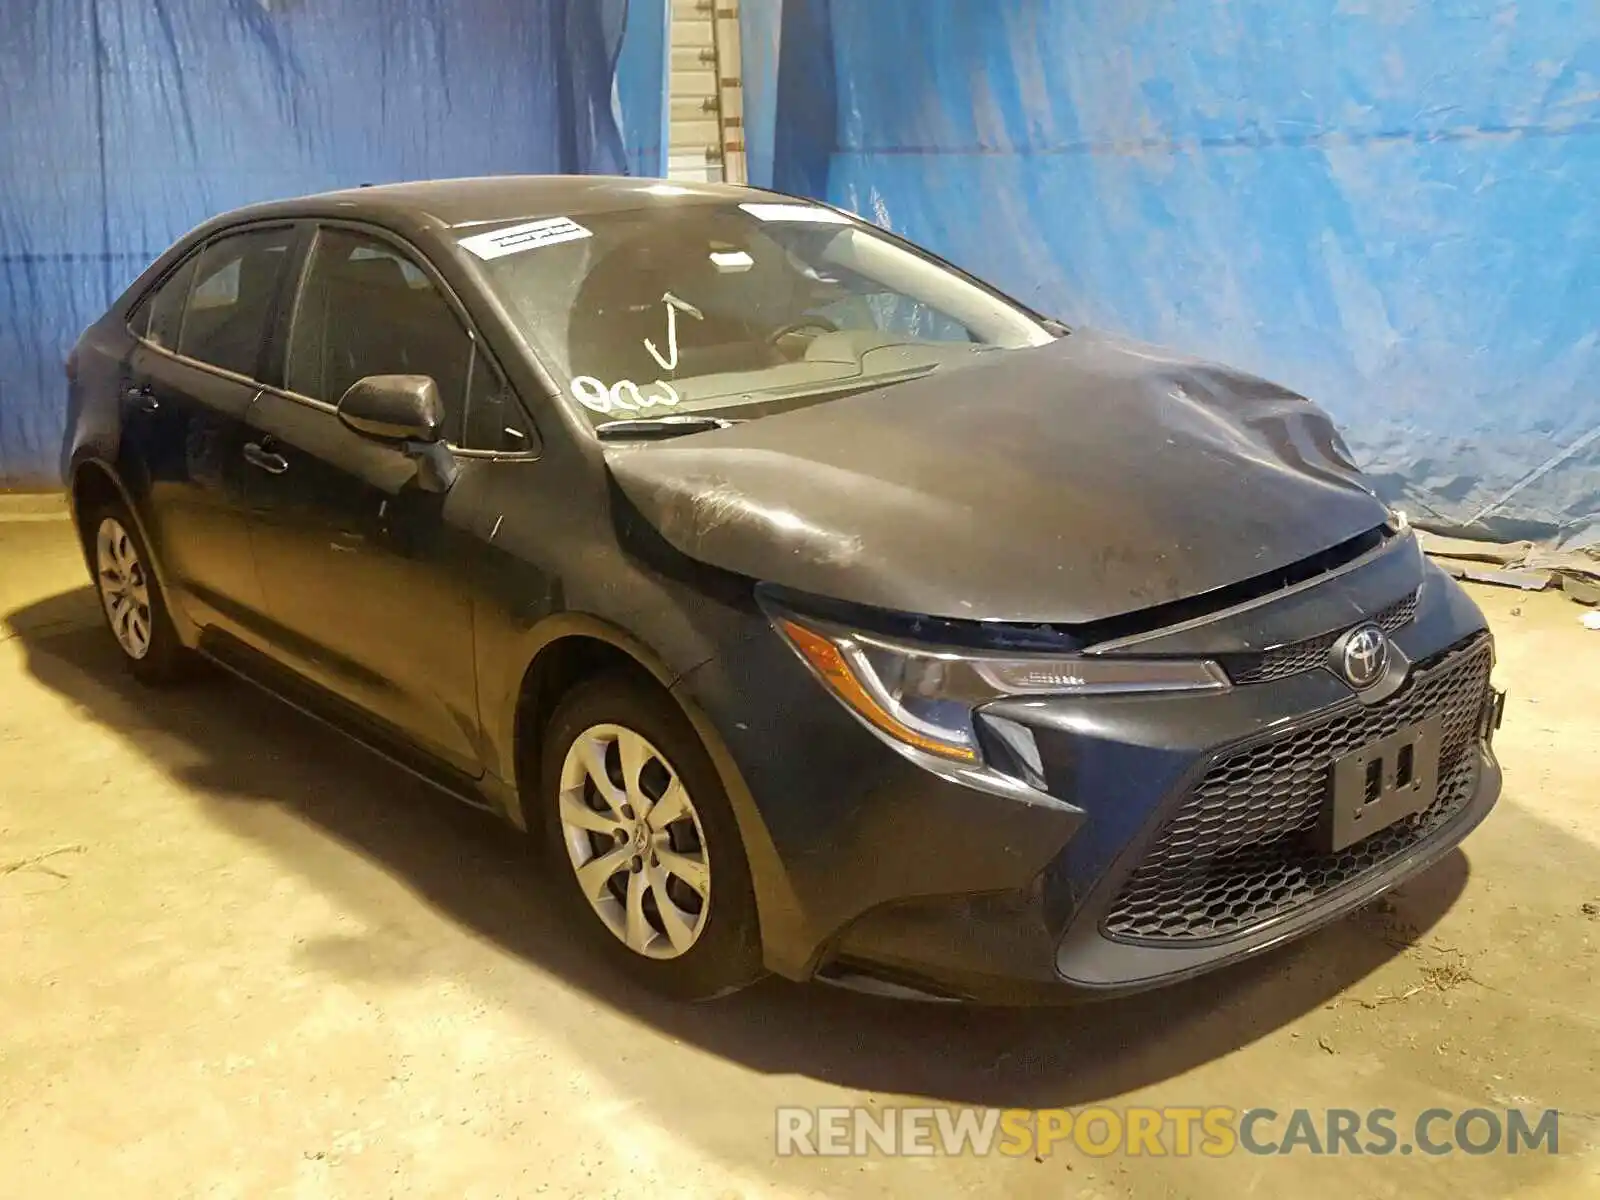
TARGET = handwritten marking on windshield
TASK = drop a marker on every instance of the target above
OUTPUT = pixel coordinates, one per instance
(674, 307)
(622, 396)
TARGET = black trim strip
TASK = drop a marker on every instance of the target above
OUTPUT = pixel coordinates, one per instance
(1063, 638)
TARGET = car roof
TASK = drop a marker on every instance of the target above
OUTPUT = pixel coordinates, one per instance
(487, 199)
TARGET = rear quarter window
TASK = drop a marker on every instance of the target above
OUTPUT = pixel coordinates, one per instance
(159, 316)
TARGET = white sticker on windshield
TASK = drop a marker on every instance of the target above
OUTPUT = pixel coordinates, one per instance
(518, 238)
(808, 213)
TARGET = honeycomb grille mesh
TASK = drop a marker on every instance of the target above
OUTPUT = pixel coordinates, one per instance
(1310, 654)
(1238, 849)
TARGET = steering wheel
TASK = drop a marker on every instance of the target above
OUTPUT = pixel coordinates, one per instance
(783, 331)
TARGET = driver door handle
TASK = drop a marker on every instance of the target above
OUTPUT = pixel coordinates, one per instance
(272, 464)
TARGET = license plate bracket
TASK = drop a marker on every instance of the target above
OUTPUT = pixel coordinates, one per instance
(1383, 782)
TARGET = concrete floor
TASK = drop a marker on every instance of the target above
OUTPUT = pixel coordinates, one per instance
(257, 962)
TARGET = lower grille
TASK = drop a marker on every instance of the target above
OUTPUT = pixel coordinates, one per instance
(1238, 851)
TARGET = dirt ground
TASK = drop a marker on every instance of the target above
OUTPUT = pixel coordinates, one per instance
(239, 958)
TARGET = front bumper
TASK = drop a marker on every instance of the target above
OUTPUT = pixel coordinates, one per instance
(1120, 878)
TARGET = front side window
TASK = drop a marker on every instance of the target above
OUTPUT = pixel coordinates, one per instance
(366, 309)
(733, 309)
(227, 320)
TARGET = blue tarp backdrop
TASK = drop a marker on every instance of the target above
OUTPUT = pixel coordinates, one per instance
(124, 123)
(1387, 205)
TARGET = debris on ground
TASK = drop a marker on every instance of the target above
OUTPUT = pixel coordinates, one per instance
(1517, 564)
(1448, 974)
(1382, 998)
(1505, 554)
(1584, 591)
(1449, 971)
(1590, 619)
(1528, 581)
(38, 861)
(1384, 921)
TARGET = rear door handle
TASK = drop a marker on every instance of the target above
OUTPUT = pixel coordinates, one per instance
(141, 397)
(272, 464)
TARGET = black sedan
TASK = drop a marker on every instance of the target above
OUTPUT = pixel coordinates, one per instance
(821, 609)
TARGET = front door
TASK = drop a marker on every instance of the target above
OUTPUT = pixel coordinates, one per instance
(359, 565)
(186, 388)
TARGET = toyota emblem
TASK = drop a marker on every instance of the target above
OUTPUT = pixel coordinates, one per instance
(1364, 657)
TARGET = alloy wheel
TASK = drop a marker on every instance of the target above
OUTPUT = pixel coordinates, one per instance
(635, 840)
(124, 587)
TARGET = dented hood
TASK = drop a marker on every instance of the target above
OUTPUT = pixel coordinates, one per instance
(1074, 482)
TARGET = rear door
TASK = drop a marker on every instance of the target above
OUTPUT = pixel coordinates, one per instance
(203, 333)
(363, 572)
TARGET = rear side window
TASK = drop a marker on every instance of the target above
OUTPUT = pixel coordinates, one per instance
(367, 309)
(235, 284)
(159, 316)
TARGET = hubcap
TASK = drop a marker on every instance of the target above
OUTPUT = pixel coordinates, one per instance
(124, 587)
(635, 841)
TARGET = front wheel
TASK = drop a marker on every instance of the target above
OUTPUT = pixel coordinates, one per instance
(637, 820)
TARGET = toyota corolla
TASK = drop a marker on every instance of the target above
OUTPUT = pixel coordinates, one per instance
(822, 610)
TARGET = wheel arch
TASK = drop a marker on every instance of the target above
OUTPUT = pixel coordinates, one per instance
(569, 649)
(94, 481)
(580, 641)
(92, 484)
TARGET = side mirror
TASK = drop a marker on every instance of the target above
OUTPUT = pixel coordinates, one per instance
(394, 408)
(404, 410)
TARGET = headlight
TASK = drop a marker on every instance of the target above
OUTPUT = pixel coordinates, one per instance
(925, 698)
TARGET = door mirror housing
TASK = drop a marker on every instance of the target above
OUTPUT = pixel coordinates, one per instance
(394, 408)
(404, 410)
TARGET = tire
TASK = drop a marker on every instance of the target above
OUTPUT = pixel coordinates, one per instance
(703, 941)
(131, 598)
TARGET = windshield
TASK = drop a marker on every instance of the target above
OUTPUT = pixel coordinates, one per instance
(734, 310)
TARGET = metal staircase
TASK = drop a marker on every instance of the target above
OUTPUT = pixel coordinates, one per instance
(705, 130)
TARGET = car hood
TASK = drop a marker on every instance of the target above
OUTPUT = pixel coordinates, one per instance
(1067, 484)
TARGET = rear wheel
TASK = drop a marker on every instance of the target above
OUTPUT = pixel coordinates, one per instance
(131, 598)
(637, 821)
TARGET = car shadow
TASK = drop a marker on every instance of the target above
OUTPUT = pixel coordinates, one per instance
(238, 751)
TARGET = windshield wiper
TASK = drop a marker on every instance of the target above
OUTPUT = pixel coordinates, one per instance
(654, 427)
